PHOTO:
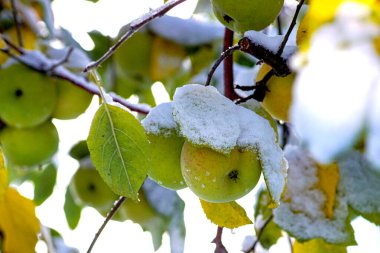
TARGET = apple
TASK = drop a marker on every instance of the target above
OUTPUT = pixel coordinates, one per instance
(89, 189)
(72, 101)
(278, 98)
(29, 146)
(166, 160)
(245, 15)
(27, 98)
(216, 177)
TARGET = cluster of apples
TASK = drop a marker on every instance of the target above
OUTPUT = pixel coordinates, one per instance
(28, 102)
(179, 162)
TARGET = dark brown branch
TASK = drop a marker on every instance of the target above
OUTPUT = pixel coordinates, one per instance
(114, 209)
(134, 26)
(260, 89)
(278, 63)
(259, 234)
(229, 91)
(218, 242)
(44, 65)
(223, 56)
(291, 27)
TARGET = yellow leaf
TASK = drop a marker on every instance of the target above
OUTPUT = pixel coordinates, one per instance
(318, 246)
(228, 215)
(328, 181)
(18, 223)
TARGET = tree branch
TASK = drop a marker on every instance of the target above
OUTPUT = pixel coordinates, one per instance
(229, 91)
(134, 26)
(218, 241)
(39, 62)
(114, 209)
(259, 234)
(17, 24)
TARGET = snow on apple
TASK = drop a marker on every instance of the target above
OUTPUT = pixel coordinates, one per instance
(301, 212)
(160, 120)
(332, 97)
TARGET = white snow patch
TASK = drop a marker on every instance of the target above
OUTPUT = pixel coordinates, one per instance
(257, 135)
(301, 212)
(160, 120)
(332, 92)
(373, 134)
(205, 117)
(361, 183)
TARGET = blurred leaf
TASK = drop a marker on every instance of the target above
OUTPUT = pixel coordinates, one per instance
(44, 182)
(119, 149)
(228, 215)
(3, 176)
(79, 150)
(19, 225)
(171, 207)
(102, 44)
(318, 246)
(72, 210)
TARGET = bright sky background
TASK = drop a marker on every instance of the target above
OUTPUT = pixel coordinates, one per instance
(107, 16)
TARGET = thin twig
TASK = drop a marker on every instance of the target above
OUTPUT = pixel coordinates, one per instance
(114, 209)
(259, 234)
(63, 60)
(17, 24)
(279, 25)
(218, 241)
(223, 56)
(134, 26)
(291, 27)
(260, 89)
(290, 243)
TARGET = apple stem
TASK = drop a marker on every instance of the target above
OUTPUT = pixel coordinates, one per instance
(218, 241)
(229, 91)
(109, 216)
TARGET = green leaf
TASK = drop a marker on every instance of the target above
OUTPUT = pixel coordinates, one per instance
(44, 183)
(72, 210)
(318, 246)
(228, 215)
(119, 150)
(79, 150)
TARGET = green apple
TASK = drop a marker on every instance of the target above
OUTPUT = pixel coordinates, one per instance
(89, 189)
(72, 101)
(216, 177)
(245, 15)
(166, 161)
(29, 146)
(27, 98)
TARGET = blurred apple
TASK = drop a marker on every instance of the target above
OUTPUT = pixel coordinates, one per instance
(29, 146)
(216, 177)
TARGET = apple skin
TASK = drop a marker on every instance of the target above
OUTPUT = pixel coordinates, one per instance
(27, 98)
(278, 99)
(245, 15)
(89, 189)
(216, 177)
(166, 161)
(29, 146)
(72, 101)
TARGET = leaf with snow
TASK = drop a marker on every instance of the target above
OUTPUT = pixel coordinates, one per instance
(229, 215)
(205, 117)
(257, 135)
(197, 31)
(168, 204)
(119, 149)
(302, 210)
(361, 183)
(327, 103)
(160, 120)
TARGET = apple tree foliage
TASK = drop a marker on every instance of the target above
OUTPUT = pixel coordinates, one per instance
(297, 100)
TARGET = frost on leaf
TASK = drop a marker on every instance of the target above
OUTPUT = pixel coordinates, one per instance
(302, 211)
(327, 103)
(160, 120)
(257, 135)
(361, 183)
(205, 117)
